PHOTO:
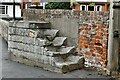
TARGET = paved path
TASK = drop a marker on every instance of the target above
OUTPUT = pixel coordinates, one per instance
(12, 69)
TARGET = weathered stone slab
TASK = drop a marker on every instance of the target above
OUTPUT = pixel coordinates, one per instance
(19, 24)
(12, 44)
(77, 59)
(39, 25)
(67, 49)
(51, 33)
(15, 38)
(53, 51)
(59, 41)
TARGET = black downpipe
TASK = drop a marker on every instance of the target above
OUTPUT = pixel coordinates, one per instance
(13, 9)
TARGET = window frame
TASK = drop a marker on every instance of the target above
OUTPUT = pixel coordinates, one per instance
(88, 8)
(5, 9)
(100, 9)
(81, 7)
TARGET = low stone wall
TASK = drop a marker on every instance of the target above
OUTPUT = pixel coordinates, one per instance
(4, 29)
(37, 44)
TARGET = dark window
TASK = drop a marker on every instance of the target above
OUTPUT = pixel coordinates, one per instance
(90, 8)
(83, 8)
(98, 8)
(3, 9)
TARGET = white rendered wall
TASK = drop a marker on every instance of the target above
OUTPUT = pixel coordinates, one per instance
(10, 0)
(91, 0)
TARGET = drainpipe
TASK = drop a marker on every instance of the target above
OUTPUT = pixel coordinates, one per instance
(110, 40)
(13, 9)
(113, 41)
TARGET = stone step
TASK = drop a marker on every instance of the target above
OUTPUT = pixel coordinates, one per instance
(68, 66)
(30, 24)
(51, 33)
(53, 51)
(77, 59)
(39, 25)
(60, 67)
(59, 41)
(56, 64)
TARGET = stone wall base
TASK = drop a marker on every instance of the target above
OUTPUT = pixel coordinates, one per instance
(48, 67)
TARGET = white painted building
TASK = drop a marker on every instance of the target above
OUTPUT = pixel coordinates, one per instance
(91, 5)
(92, 0)
(6, 8)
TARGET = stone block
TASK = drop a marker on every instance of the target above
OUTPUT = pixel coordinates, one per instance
(39, 50)
(46, 59)
(20, 46)
(29, 40)
(26, 47)
(42, 42)
(20, 31)
(31, 48)
(12, 44)
(17, 38)
(25, 40)
(9, 38)
(11, 30)
(13, 38)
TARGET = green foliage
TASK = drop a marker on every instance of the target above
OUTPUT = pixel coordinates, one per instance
(58, 5)
(92, 4)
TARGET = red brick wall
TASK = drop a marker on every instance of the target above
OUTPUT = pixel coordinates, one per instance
(77, 7)
(93, 39)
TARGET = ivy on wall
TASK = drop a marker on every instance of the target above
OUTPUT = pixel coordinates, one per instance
(58, 5)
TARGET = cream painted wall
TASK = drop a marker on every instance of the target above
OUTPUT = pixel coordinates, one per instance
(10, 0)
